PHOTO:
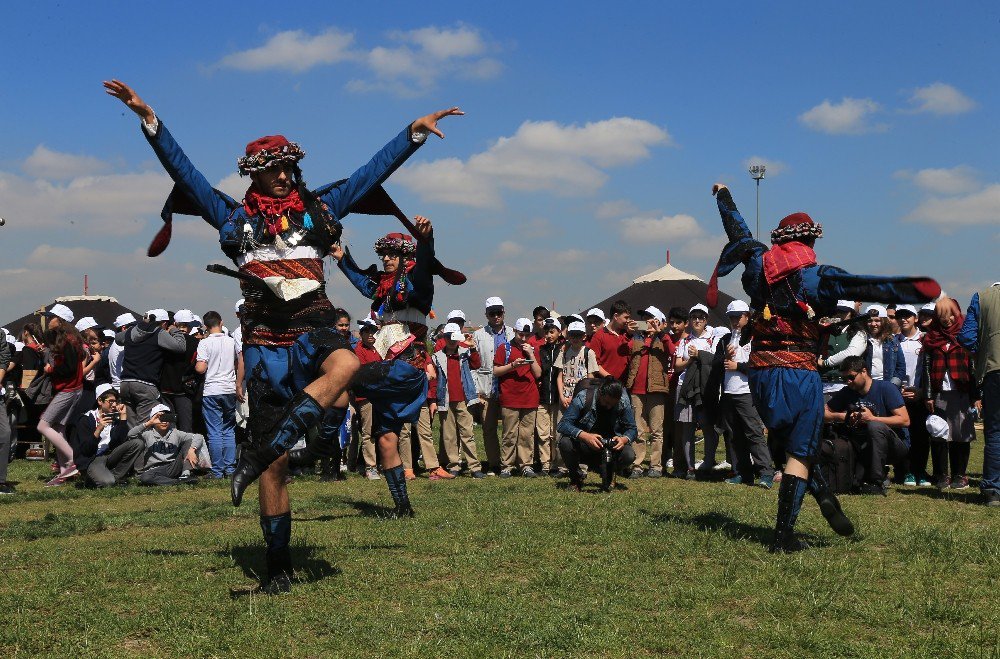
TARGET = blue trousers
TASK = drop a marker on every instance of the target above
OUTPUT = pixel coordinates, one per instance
(396, 398)
(790, 403)
(991, 429)
(220, 422)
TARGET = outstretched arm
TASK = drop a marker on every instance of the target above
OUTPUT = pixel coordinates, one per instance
(734, 224)
(358, 277)
(836, 284)
(385, 162)
(210, 205)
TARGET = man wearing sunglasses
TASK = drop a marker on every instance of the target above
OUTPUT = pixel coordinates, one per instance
(102, 448)
(487, 340)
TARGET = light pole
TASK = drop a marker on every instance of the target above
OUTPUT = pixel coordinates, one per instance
(757, 173)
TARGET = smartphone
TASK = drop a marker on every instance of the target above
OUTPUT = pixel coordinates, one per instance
(168, 417)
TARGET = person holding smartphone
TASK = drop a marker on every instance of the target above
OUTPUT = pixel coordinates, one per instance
(517, 371)
(101, 446)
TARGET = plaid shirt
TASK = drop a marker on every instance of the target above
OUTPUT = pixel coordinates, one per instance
(955, 361)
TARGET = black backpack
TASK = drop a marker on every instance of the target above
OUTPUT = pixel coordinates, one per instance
(837, 460)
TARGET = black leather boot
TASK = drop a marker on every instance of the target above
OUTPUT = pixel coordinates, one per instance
(325, 445)
(829, 505)
(300, 414)
(790, 495)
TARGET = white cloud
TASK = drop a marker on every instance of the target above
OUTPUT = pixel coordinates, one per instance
(540, 156)
(234, 185)
(616, 208)
(945, 214)
(658, 229)
(293, 50)
(508, 249)
(411, 64)
(849, 117)
(105, 203)
(772, 167)
(956, 180)
(56, 165)
(940, 98)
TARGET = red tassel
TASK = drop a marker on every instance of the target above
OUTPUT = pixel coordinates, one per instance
(160, 241)
(712, 294)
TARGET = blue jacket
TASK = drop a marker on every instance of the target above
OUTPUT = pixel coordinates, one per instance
(818, 285)
(577, 419)
(440, 361)
(228, 216)
(968, 336)
(893, 363)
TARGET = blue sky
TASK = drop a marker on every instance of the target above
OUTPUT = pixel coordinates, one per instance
(593, 136)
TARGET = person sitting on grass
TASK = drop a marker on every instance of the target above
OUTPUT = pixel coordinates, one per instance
(597, 413)
(101, 445)
(171, 454)
(875, 415)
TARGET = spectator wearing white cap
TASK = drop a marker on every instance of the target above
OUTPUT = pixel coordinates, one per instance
(539, 315)
(517, 371)
(925, 316)
(693, 359)
(595, 320)
(58, 315)
(101, 446)
(490, 338)
(455, 317)
(751, 456)
(85, 323)
(910, 342)
(549, 410)
(883, 357)
(217, 361)
(116, 351)
(179, 380)
(575, 363)
(611, 343)
(66, 349)
(454, 393)
(237, 333)
(365, 350)
(648, 381)
(169, 454)
(145, 344)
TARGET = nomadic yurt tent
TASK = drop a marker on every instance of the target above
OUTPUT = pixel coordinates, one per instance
(103, 308)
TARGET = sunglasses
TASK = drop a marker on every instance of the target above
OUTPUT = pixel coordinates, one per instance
(495, 312)
(847, 377)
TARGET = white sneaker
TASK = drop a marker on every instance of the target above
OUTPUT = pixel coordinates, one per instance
(723, 466)
(372, 474)
(697, 465)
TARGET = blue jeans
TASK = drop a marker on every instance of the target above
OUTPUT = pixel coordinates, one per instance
(220, 421)
(991, 429)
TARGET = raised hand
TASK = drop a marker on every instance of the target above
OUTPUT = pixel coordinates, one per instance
(127, 95)
(717, 187)
(429, 122)
(423, 226)
(337, 251)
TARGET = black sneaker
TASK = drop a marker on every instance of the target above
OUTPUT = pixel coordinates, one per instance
(279, 584)
(6, 488)
(876, 489)
(478, 474)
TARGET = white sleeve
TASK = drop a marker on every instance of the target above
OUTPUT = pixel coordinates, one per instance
(854, 349)
(151, 128)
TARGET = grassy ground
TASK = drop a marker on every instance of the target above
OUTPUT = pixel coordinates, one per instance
(495, 568)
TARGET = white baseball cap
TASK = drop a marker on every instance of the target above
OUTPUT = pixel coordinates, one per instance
(157, 409)
(908, 308)
(450, 328)
(552, 322)
(653, 312)
(456, 336)
(737, 306)
(938, 427)
(185, 316)
(493, 302)
(930, 306)
(699, 307)
(598, 313)
(845, 305)
(103, 389)
(124, 319)
(159, 315)
(577, 326)
(367, 322)
(110, 333)
(523, 325)
(878, 309)
(11, 340)
(239, 304)
(455, 313)
(575, 316)
(61, 311)
(85, 323)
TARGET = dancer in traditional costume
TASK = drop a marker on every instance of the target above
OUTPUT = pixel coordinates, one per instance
(298, 367)
(789, 293)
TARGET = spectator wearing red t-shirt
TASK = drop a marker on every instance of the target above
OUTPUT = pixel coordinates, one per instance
(454, 392)
(517, 371)
(365, 350)
(648, 381)
(611, 343)
(537, 338)
(595, 320)
(456, 317)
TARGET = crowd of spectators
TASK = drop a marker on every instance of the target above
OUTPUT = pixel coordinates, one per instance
(161, 397)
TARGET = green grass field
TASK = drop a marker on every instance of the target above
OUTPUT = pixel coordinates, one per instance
(495, 568)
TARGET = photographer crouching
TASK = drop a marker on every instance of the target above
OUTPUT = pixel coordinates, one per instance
(875, 415)
(598, 429)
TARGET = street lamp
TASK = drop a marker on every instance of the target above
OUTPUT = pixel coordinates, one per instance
(757, 173)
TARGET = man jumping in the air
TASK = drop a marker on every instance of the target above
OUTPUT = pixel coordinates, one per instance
(789, 293)
(298, 367)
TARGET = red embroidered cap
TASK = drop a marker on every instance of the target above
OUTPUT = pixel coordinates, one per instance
(796, 227)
